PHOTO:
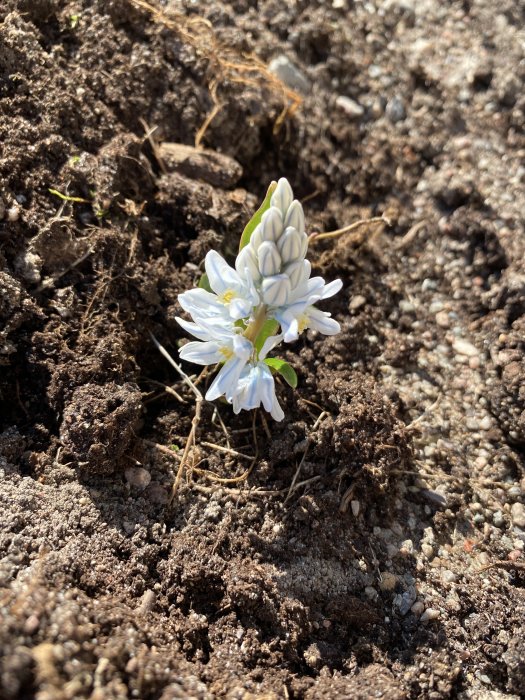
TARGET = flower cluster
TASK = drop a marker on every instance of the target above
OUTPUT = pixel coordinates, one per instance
(236, 323)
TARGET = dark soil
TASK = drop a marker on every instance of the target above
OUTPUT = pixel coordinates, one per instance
(376, 548)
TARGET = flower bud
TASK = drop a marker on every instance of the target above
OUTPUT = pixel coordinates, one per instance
(276, 290)
(295, 216)
(271, 224)
(256, 238)
(298, 272)
(290, 245)
(304, 245)
(283, 196)
(269, 259)
(247, 259)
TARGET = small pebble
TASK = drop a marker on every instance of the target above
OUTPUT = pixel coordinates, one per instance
(407, 307)
(418, 608)
(351, 108)
(357, 302)
(13, 214)
(395, 110)
(157, 494)
(485, 423)
(387, 581)
(449, 576)
(138, 477)
(285, 70)
(355, 506)
(498, 519)
(371, 592)
(407, 548)
(147, 602)
(517, 513)
(430, 614)
(428, 550)
(463, 347)
(442, 319)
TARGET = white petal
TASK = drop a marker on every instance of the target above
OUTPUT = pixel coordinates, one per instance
(207, 353)
(320, 321)
(239, 308)
(295, 216)
(292, 331)
(267, 392)
(247, 260)
(331, 289)
(276, 290)
(200, 303)
(221, 276)
(226, 379)
(246, 395)
(194, 329)
(242, 347)
(283, 195)
(269, 344)
(271, 224)
(277, 412)
(269, 259)
(290, 245)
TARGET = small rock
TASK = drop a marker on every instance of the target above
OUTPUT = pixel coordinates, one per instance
(147, 602)
(485, 423)
(351, 108)
(498, 519)
(517, 513)
(449, 576)
(429, 615)
(285, 70)
(157, 494)
(371, 592)
(407, 307)
(406, 548)
(138, 477)
(463, 347)
(442, 319)
(13, 213)
(418, 607)
(395, 110)
(388, 581)
(428, 550)
(357, 302)
(404, 601)
(355, 506)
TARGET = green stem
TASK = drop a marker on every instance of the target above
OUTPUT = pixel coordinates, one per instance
(256, 325)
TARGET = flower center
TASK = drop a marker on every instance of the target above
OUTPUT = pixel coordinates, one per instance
(302, 323)
(227, 353)
(227, 296)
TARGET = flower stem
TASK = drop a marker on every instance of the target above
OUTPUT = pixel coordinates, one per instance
(256, 325)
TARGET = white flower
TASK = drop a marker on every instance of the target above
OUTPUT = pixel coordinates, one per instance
(256, 385)
(218, 343)
(234, 297)
(300, 313)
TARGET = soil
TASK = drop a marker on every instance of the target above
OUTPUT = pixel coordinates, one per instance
(376, 546)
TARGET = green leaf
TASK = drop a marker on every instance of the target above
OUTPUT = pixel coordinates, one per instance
(286, 371)
(256, 218)
(204, 283)
(269, 328)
